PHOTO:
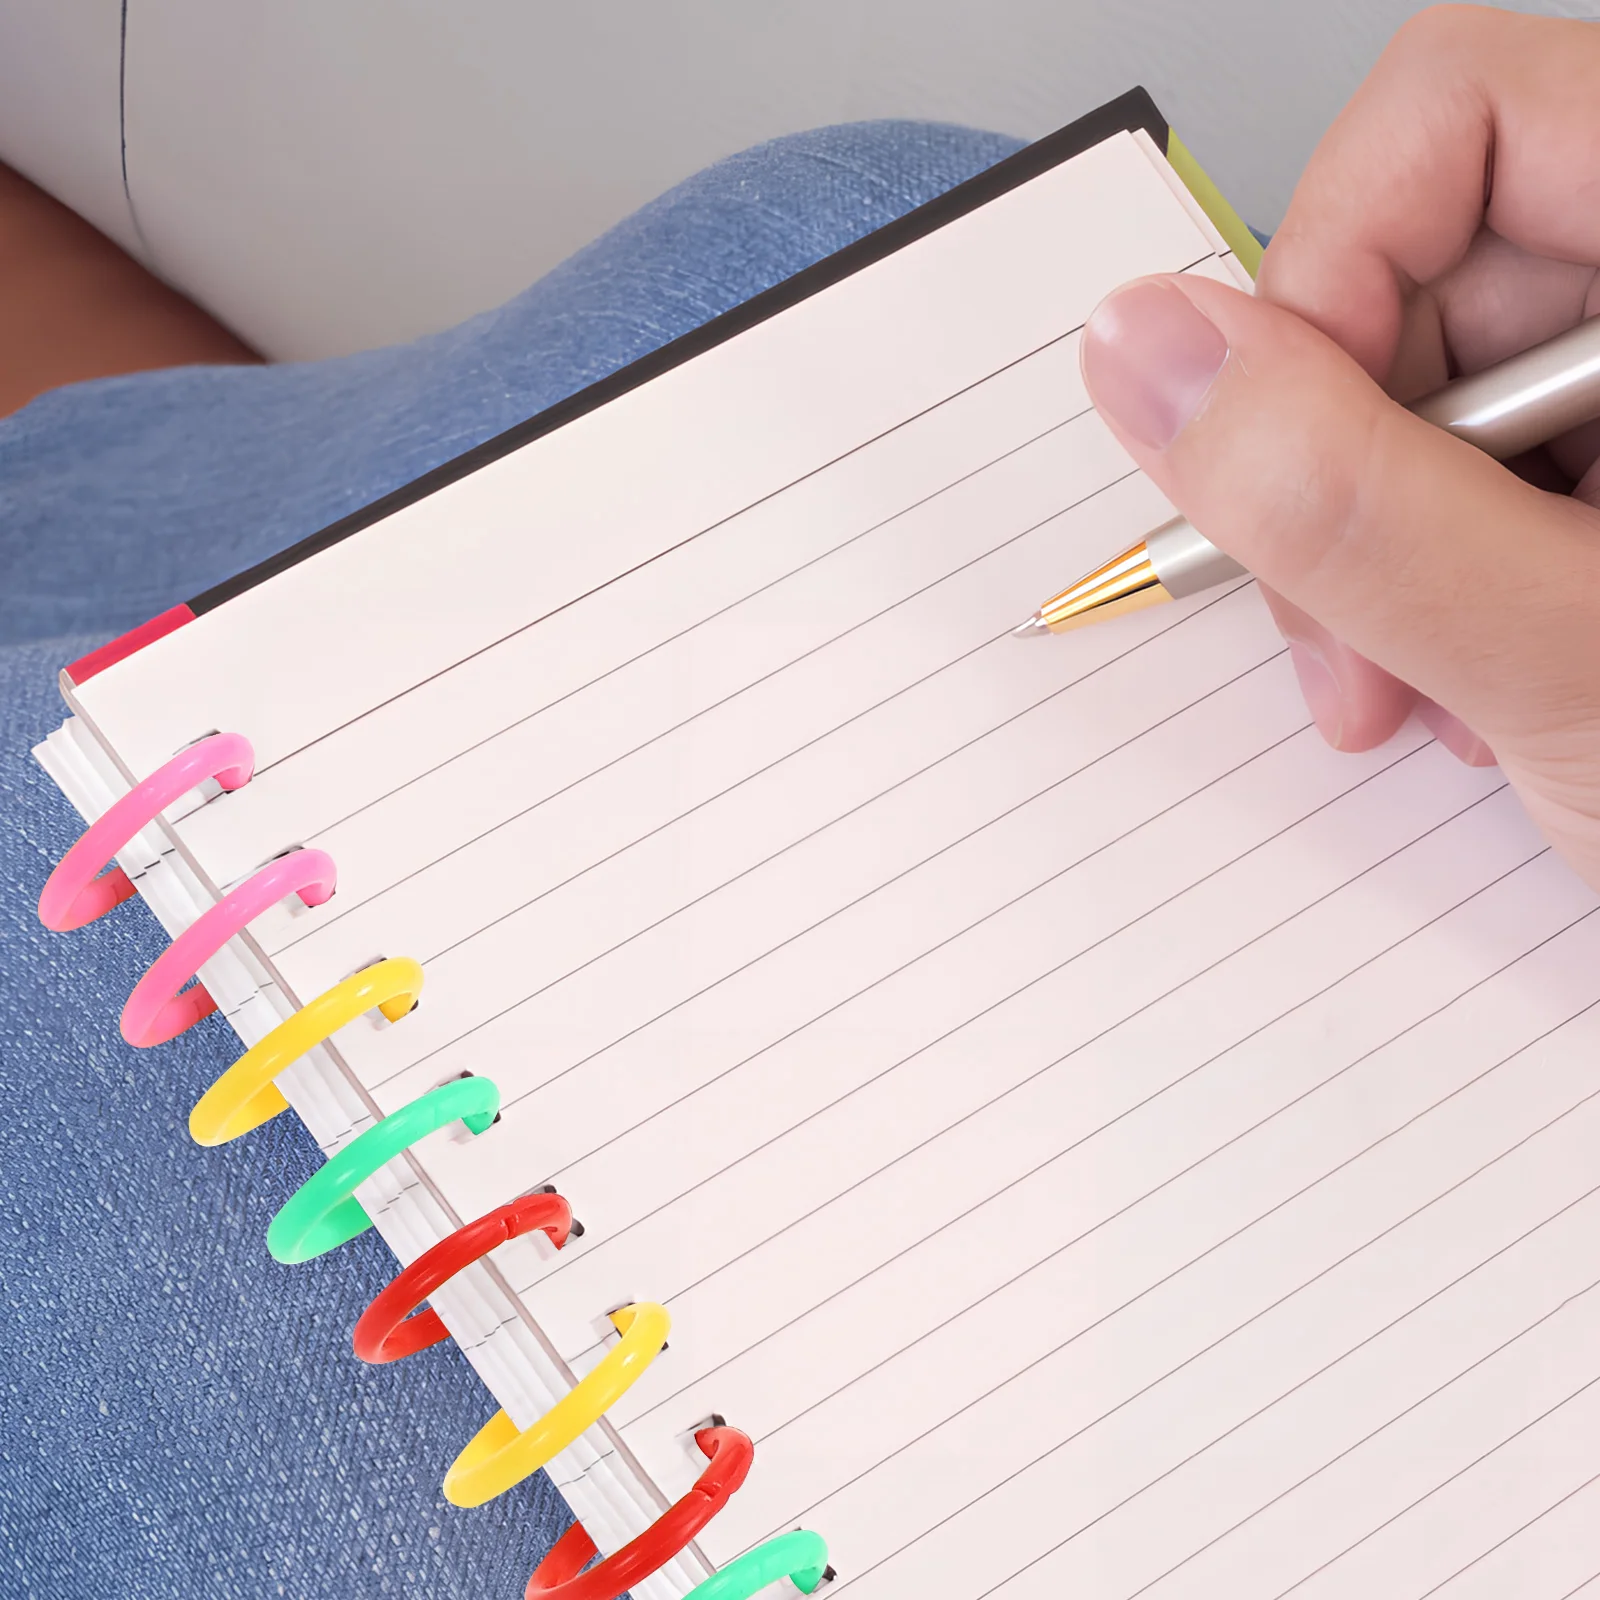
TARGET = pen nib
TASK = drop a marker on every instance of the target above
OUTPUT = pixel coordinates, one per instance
(1125, 583)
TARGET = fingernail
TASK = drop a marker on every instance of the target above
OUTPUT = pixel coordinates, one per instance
(1465, 745)
(1320, 690)
(1148, 358)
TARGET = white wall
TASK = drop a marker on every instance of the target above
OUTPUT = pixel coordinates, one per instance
(59, 118)
(332, 174)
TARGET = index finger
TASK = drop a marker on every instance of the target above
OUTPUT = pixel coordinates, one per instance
(1470, 117)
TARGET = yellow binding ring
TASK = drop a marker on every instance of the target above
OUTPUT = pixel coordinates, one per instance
(245, 1096)
(499, 1456)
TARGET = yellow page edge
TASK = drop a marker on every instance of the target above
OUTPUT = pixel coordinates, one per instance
(1244, 244)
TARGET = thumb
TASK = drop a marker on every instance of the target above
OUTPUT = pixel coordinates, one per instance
(1424, 555)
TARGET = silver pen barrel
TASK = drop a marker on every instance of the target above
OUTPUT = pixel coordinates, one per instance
(1524, 400)
(1186, 561)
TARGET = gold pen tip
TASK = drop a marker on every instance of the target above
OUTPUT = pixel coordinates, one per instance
(1127, 582)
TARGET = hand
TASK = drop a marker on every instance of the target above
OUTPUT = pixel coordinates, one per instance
(1450, 218)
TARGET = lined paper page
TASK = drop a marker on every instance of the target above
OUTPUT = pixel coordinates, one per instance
(1093, 1137)
(659, 465)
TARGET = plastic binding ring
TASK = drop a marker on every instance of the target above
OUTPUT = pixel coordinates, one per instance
(159, 1007)
(801, 1556)
(76, 892)
(245, 1096)
(560, 1576)
(323, 1213)
(498, 1456)
(387, 1330)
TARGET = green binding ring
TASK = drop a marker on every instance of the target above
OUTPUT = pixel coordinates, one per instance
(323, 1213)
(800, 1556)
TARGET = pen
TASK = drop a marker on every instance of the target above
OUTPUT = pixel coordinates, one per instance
(1503, 410)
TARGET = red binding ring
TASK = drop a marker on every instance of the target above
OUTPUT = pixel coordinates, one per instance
(387, 1331)
(74, 894)
(560, 1576)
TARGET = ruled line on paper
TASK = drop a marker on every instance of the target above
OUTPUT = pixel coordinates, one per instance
(454, 714)
(1445, 1483)
(1454, 1510)
(959, 933)
(739, 560)
(273, 809)
(1127, 1532)
(790, 392)
(842, 816)
(1198, 1355)
(764, 1436)
(980, 1201)
(980, 1400)
(560, 1266)
(1198, 263)
(877, 705)
(1197, 1454)
(988, 729)
(284, 935)
(564, 1269)
(442, 1038)
(1554, 1509)
(721, 522)
(631, 720)
(1353, 1187)
(1052, 1065)
(1356, 773)
(1499, 1349)
(684, 633)
(1475, 1566)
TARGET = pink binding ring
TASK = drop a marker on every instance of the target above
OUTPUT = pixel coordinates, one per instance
(75, 892)
(156, 1010)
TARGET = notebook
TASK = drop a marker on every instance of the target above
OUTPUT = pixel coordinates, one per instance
(1089, 1136)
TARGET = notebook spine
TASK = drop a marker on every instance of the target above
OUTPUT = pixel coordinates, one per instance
(325, 1213)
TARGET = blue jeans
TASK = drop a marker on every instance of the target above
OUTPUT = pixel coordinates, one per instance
(183, 1417)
